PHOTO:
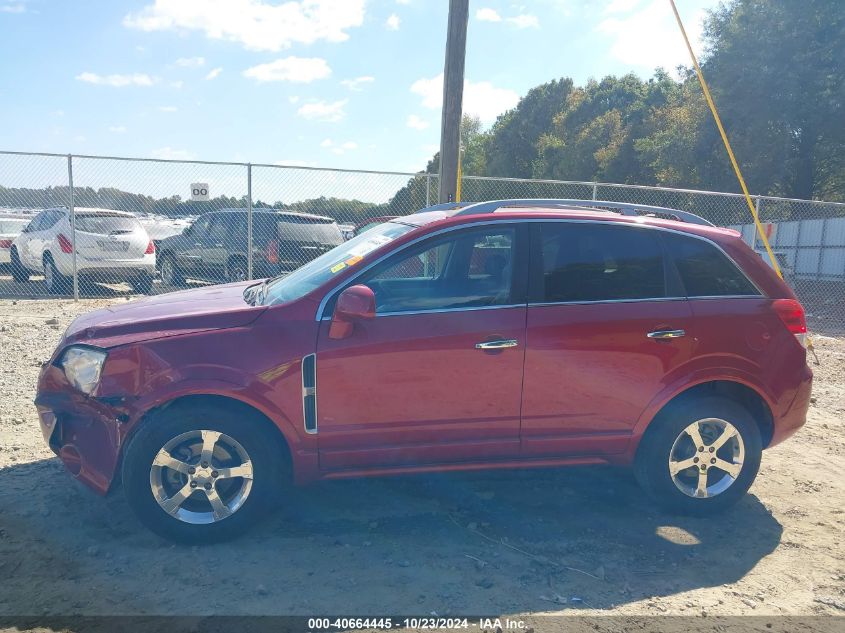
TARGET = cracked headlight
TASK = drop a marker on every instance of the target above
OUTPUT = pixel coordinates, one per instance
(82, 367)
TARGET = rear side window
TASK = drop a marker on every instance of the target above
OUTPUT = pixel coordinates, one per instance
(705, 270)
(598, 262)
(106, 224)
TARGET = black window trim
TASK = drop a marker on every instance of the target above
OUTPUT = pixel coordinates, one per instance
(531, 263)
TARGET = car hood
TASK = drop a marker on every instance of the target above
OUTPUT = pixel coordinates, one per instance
(171, 314)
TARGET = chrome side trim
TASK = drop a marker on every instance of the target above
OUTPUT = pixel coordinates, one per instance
(309, 393)
(351, 280)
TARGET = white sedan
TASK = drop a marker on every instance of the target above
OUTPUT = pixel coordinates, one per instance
(111, 246)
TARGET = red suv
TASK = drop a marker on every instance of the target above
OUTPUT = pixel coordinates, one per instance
(505, 334)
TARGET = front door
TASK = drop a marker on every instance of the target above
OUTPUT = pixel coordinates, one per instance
(436, 377)
(607, 326)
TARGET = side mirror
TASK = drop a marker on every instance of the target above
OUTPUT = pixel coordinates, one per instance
(354, 304)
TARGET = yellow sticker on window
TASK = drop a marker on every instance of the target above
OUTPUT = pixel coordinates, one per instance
(338, 267)
(353, 260)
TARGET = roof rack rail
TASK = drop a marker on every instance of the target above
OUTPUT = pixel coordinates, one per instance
(625, 208)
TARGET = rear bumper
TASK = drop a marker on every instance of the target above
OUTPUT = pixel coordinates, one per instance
(107, 269)
(794, 416)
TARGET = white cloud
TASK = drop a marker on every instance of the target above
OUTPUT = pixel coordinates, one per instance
(620, 6)
(293, 99)
(339, 148)
(214, 73)
(169, 153)
(255, 24)
(177, 84)
(481, 99)
(168, 109)
(392, 23)
(649, 37)
(14, 7)
(357, 83)
(416, 122)
(117, 129)
(487, 14)
(117, 81)
(295, 69)
(524, 21)
(190, 62)
(323, 111)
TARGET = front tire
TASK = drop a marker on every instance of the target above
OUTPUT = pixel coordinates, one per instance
(699, 457)
(201, 474)
(19, 272)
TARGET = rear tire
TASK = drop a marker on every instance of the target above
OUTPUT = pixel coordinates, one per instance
(57, 283)
(170, 273)
(177, 436)
(143, 284)
(677, 468)
(19, 273)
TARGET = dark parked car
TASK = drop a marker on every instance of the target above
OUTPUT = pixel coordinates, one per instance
(214, 247)
(509, 334)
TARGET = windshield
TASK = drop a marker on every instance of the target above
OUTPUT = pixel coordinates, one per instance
(318, 271)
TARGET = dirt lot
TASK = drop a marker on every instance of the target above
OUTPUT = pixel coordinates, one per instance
(579, 540)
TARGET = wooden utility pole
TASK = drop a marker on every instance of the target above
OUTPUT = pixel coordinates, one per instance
(453, 96)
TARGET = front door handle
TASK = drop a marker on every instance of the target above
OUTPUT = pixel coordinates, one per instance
(665, 334)
(500, 344)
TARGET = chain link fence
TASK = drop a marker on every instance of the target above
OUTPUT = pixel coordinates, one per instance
(80, 226)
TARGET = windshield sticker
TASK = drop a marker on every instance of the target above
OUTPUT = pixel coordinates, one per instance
(353, 260)
(369, 246)
(338, 267)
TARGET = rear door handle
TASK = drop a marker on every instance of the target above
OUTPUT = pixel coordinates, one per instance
(500, 344)
(664, 334)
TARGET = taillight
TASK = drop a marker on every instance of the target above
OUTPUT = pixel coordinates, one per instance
(151, 248)
(273, 252)
(5, 243)
(64, 244)
(791, 312)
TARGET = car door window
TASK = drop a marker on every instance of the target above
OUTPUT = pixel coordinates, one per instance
(35, 223)
(50, 219)
(219, 228)
(468, 269)
(199, 230)
(584, 262)
(705, 270)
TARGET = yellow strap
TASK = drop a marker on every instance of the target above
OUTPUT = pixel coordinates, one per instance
(460, 173)
(715, 112)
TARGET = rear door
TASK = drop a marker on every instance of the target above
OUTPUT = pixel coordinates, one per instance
(216, 244)
(190, 249)
(607, 325)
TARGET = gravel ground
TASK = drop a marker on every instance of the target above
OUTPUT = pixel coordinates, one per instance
(574, 541)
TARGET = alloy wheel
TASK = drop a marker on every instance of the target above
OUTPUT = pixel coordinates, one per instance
(706, 458)
(201, 477)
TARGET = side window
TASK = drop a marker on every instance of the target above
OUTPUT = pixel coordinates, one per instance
(466, 270)
(200, 227)
(705, 270)
(50, 219)
(36, 223)
(220, 227)
(600, 262)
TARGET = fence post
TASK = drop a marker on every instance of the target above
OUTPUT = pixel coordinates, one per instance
(72, 228)
(249, 221)
(428, 190)
(595, 191)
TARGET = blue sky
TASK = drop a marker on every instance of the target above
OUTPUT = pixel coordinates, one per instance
(328, 83)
